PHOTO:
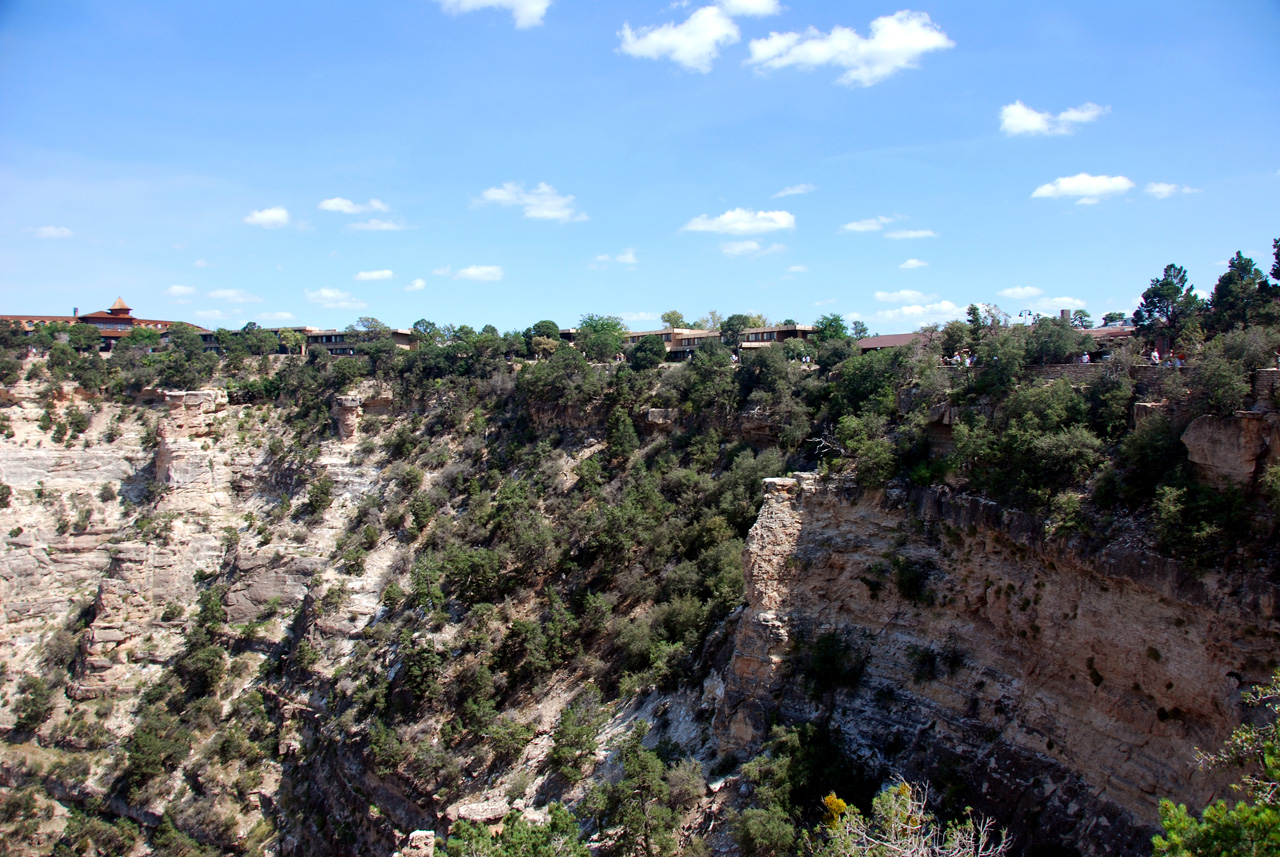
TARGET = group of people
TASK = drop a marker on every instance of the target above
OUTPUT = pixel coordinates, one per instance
(964, 358)
(1171, 361)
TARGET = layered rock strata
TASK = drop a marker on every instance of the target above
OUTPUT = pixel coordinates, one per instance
(1062, 692)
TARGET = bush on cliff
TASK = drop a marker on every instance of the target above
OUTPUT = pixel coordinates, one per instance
(901, 824)
(1249, 828)
(34, 703)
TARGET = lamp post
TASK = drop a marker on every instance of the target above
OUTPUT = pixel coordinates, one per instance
(1026, 314)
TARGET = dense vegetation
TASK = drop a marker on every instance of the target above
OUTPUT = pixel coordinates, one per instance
(564, 538)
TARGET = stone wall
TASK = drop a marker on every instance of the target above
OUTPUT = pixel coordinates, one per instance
(1264, 384)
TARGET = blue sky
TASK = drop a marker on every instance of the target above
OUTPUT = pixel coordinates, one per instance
(504, 161)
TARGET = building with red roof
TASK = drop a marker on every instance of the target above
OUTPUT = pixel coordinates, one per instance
(113, 323)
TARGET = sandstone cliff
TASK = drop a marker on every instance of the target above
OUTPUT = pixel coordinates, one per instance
(1061, 691)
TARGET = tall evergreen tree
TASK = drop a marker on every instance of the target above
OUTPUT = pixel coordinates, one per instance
(1167, 304)
(1243, 296)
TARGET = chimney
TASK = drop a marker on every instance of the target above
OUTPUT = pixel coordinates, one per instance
(75, 312)
(1064, 314)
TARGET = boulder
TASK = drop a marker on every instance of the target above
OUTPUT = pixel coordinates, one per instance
(1225, 451)
(420, 843)
(483, 812)
(662, 418)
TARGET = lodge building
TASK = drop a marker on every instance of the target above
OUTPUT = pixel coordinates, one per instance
(113, 323)
(681, 341)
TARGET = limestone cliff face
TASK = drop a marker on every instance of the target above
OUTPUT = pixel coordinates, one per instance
(1061, 692)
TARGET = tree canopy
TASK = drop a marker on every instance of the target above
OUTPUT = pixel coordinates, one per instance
(1167, 304)
(650, 351)
(1242, 296)
(731, 329)
(600, 336)
(673, 318)
(830, 326)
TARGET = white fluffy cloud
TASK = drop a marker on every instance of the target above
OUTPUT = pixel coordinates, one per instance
(375, 275)
(914, 263)
(1052, 305)
(921, 314)
(346, 206)
(742, 221)
(751, 8)
(626, 257)
(795, 190)
(902, 234)
(416, 286)
(478, 273)
(798, 269)
(180, 291)
(1017, 118)
(269, 218)
(527, 13)
(51, 232)
(334, 299)
(1164, 190)
(201, 263)
(276, 316)
(373, 224)
(693, 44)
(897, 42)
(902, 296)
(871, 224)
(1088, 189)
(1020, 292)
(639, 316)
(541, 203)
(235, 296)
(740, 248)
(750, 248)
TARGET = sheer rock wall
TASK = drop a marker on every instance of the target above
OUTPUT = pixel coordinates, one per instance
(1060, 691)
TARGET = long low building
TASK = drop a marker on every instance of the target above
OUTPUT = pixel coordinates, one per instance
(113, 323)
(682, 340)
(339, 342)
(1103, 337)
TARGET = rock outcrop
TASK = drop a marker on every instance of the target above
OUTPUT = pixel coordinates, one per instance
(183, 456)
(346, 413)
(142, 578)
(262, 583)
(662, 419)
(191, 412)
(420, 843)
(1063, 693)
(1231, 451)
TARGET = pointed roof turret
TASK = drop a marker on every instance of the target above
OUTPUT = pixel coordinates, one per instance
(119, 307)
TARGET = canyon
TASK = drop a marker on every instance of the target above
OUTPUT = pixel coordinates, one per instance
(1059, 685)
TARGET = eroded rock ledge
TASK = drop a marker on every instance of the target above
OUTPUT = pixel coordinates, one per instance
(1061, 691)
